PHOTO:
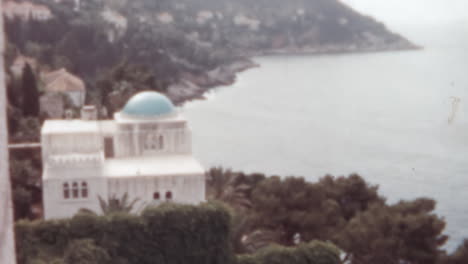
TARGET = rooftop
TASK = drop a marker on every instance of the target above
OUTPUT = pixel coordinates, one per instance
(164, 165)
(62, 81)
(70, 126)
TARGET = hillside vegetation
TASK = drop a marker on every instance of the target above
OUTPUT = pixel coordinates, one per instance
(186, 45)
(169, 234)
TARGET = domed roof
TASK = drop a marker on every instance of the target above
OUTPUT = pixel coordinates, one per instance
(148, 104)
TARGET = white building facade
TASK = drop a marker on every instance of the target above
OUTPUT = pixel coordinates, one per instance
(145, 152)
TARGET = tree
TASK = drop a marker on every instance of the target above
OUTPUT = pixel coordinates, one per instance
(281, 209)
(460, 256)
(121, 82)
(315, 252)
(25, 179)
(224, 185)
(27, 129)
(22, 199)
(292, 206)
(234, 189)
(352, 194)
(350, 213)
(30, 93)
(407, 232)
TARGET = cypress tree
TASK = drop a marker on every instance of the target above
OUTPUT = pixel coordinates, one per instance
(30, 93)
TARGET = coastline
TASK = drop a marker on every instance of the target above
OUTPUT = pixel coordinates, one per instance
(193, 87)
(332, 50)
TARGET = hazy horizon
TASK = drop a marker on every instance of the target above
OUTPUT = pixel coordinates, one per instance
(412, 12)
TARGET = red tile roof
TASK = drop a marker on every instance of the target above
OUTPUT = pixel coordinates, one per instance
(62, 81)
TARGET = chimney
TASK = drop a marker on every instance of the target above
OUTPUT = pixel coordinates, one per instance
(89, 112)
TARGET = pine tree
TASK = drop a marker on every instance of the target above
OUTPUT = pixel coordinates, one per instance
(30, 93)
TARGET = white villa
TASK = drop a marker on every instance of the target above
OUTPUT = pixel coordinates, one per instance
(144, 152)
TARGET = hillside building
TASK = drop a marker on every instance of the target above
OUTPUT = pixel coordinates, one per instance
(61, 81)
(26, 11)
(117, 24)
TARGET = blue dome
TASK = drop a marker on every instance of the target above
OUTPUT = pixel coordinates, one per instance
(148, 104)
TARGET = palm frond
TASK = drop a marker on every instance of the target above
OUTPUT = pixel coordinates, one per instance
(114, 204)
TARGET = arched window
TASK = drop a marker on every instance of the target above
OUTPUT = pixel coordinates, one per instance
(156, 196)
(168, 196)
(182, 137)
(75, 190)
(161, 142)
(151, 141)
(146, 141)
(84, 190)
(66, 191)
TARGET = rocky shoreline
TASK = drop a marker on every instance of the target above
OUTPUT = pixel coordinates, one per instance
(336, 49)
(193, 87)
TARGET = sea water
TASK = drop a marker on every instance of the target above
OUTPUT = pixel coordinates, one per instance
(399, 119)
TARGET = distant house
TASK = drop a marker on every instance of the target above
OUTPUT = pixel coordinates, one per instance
(63, 82)
(165, 18)
(75, 3)
(41, 13)
(179, 6)
(204, 16)
(19, 63)
(242, 20)
(118, 24)
(26, 11)
(115, 18)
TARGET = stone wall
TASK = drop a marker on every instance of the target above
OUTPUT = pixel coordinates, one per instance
(7, 244)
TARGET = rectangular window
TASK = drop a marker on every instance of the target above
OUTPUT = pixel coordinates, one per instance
(168, 196)
(84, 190)
(75, 190)
(66, 191)
(108, 147)
(156, 196)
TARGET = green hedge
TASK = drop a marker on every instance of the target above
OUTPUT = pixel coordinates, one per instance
(314, 252)
(169, 234)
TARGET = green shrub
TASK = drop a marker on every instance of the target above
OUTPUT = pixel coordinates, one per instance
(168, 234)
(314, 252)
(85, 251)
(171, 234)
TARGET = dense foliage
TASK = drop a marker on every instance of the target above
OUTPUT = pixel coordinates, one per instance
(24, 125)
(311, 253)
(344, 210)
(167, 234)
(195, 38)
(460, 256)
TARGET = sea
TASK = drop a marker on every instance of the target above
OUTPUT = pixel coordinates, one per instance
(399, 119)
